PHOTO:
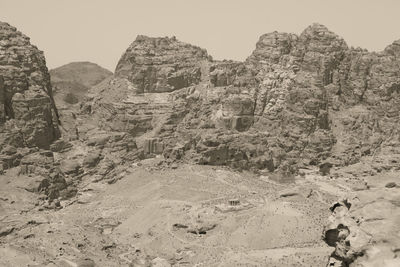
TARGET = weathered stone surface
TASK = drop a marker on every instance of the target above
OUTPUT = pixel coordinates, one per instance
(70, 167)
(271, 47)
(91, 159)
(161, 64)
(227, 73)
(28, 116)
(47, 177)
(60, 146)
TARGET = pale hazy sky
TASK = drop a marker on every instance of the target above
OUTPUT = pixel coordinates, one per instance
(100, 30)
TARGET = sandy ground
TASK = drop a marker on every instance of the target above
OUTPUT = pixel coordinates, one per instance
(180, 217)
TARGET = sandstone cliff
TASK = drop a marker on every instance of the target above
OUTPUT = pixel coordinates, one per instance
(155, 65)
(296, 101)
(28, 116)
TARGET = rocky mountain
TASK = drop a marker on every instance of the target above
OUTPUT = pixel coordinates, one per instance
(296, 101)
(72, 81)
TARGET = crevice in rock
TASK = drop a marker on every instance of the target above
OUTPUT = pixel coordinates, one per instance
(9, 112)
(366, 84)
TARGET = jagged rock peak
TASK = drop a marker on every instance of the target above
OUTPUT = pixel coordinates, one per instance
(162, 42)
(393, 49)
(19, 53)
(161, 64)
(319, 37)
(144, 38)
(10, 32)
(316, 28)
(271, 46)
(275, 47)
(26, 99)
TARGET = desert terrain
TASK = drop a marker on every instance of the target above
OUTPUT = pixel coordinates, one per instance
(290, 158)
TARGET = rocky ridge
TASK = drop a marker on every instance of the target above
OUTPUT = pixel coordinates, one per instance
(285, 107)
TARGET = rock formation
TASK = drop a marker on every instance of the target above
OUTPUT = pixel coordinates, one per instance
(296, 101)
(28, 116)
(156, 65)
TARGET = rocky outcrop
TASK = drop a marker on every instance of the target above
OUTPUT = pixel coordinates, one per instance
(297, 100)
(362, 225)
(28, 116)
(161, 64)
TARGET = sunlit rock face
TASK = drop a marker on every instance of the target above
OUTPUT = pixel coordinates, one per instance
(161, 64)
(297, 100)
(28, 116)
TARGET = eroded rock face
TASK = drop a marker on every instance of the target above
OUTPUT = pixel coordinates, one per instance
(28, 116)
(296, 101)
(271, 47)
(161, 64)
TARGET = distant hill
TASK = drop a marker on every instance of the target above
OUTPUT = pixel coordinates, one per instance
(72, 81)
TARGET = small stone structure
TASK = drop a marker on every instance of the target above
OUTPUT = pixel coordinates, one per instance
(234, 202)
(153, 146)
